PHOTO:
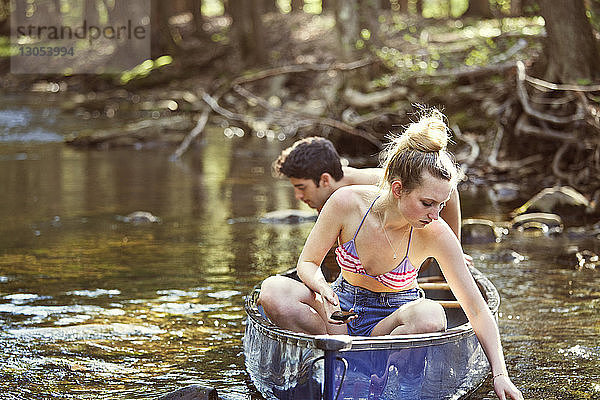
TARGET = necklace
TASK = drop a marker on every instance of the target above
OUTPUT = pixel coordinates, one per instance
(387, 237)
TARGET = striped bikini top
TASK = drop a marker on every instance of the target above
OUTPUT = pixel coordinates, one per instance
(397, 279)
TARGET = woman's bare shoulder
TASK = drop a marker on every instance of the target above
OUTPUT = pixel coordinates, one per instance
(353, 196)
(435, 232)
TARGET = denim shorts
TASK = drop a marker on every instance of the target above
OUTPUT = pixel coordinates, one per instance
(371, 307)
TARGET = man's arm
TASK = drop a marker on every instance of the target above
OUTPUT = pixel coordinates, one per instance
(451, 213)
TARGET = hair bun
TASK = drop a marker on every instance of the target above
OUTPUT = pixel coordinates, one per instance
(429, 134)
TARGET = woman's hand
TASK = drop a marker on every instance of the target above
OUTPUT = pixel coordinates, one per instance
(505, 389)
(330, 302)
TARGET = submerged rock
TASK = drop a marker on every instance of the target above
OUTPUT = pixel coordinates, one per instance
(476, 230)
(580, 259)
(192, 392)
(288, 217)
(503, 256)
(504, 192)
(139, 218)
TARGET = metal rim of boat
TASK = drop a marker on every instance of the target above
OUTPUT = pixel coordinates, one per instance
(369, 343)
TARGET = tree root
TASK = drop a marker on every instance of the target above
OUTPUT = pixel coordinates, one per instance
(565, 118)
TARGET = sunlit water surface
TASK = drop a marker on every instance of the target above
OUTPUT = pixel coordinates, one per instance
(93, 306)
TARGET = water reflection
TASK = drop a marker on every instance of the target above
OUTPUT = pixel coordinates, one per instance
(101, 308)
(92, 306)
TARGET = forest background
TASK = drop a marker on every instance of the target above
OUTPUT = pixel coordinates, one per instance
(518, 79)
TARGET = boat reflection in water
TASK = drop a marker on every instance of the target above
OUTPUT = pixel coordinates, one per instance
(443, 365)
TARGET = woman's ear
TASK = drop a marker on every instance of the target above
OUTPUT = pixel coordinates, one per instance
(397, 189)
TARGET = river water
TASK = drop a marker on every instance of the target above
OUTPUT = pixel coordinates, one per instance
(96, 306)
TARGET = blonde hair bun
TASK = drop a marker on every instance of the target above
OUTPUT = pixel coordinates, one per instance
(421, 148)
(429, 134)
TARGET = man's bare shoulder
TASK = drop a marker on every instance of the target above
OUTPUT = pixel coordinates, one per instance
(362, 176)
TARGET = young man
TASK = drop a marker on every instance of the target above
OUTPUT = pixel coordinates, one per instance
(314, 168)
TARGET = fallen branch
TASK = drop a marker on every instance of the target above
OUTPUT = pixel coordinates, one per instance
(297, 115)
(198, 129)
(469, 159)
(556, 86)
(522, 126)
(298, 68)
(362, 100)
(352, 118)
(144, 130)
(556, 161)
(506, 165)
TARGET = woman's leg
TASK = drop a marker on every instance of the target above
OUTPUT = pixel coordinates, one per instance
(292, 305)
(419, 316)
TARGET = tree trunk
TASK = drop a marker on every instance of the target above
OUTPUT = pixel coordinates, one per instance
(5, 15)
(270, 6)
(420, 8)
(162, 40)
(403, 4)
(348, 27)
(369, 19)
(479, 8)
(327, 5)
(571, 49)
(516, 9)
(248, 30)
(198, 17)
(297, 5)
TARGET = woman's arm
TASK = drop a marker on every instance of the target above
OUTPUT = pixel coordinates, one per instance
(449, 255)
(322, 237)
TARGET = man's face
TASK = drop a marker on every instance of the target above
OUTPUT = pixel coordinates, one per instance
(313, 195)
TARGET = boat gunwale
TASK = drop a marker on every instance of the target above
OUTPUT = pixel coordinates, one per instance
(387, 342)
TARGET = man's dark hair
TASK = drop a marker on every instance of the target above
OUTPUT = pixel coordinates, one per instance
(308, 158)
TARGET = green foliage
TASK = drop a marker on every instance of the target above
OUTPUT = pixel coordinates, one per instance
(478, 56)
(450, 44)
(6, 50)
(145, 68)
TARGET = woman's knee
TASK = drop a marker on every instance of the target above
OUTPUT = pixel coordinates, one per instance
(271, 290)
(435, 317)
(425, 316)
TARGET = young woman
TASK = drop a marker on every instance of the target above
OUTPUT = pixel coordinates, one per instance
(384, 235)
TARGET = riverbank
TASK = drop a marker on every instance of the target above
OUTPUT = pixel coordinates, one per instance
(466, 67)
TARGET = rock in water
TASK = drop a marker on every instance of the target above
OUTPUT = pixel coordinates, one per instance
(288, 217)
(192, 392)
(140, 217)
(476, 230)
